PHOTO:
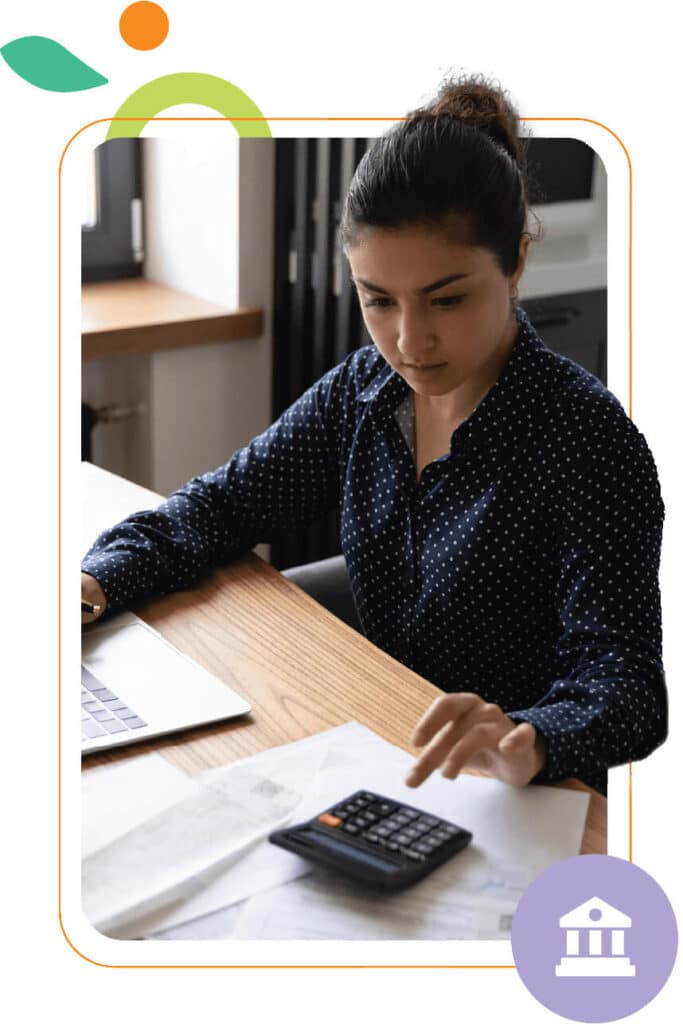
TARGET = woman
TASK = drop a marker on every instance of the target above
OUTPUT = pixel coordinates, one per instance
(500, 514)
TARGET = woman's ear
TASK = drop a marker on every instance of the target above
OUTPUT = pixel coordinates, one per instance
(522, 254)
(524, 241)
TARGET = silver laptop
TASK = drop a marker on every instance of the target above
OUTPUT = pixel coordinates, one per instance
(135, 686)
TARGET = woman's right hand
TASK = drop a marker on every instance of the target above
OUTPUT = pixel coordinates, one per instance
(92, 592)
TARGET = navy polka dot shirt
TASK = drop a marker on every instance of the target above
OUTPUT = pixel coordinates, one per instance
(522, 566)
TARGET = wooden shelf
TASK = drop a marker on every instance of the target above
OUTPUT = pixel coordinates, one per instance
(138, 316)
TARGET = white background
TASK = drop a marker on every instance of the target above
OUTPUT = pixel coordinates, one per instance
(614, 64)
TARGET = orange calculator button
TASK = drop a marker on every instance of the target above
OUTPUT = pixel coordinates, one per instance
(329, 819)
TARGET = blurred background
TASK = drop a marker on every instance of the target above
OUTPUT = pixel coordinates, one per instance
(214, 293)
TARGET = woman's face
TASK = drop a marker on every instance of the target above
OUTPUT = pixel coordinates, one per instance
(437, 309)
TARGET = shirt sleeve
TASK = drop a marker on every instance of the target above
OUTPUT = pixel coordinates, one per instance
(609, 705)
(286, 477)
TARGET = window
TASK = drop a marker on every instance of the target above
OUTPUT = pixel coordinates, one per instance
(111, 215)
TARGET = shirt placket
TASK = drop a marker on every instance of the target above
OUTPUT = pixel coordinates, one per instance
(418, 495)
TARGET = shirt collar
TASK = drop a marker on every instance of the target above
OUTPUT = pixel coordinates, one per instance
(504, 412)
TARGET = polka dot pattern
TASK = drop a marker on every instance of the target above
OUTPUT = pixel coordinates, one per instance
(522, 566)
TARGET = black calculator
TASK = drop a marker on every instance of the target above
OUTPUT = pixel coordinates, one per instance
(375, 840)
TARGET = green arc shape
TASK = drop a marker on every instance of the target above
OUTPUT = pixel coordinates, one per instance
(188, 87)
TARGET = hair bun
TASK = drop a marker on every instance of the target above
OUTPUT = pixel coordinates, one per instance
(481, 104)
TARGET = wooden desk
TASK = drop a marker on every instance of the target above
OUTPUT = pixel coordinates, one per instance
(301, 668)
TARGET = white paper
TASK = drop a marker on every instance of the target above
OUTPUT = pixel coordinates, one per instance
(171, 854)
(517, 834)
(117, 797)
(324, 768)
(323, 907)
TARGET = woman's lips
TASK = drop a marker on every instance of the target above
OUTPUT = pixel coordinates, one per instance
(424, 369)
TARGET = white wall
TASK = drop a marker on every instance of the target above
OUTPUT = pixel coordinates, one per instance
(209, 208)
(206, 234)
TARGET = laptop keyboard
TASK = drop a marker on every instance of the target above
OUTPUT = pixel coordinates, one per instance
(101, 710)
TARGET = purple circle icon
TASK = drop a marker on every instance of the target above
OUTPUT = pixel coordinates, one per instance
(594, 938)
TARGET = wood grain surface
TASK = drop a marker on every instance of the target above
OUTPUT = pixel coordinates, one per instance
(301, 669)
(140, 316)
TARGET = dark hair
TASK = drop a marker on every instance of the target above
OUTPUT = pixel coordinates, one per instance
(457, 163)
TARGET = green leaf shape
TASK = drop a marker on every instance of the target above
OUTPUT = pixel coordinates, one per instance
(48, 65)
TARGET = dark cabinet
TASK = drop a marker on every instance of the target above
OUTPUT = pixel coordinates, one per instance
(575, 325)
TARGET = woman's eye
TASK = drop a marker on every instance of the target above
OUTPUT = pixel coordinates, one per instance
(445, 301)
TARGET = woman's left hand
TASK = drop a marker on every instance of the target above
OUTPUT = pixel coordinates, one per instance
(460, 730)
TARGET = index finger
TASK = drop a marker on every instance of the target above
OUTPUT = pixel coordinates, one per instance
(448, 708)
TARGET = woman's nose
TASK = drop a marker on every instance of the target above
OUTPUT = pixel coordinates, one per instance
(414, 339)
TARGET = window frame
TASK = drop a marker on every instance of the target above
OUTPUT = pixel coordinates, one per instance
(107, 247)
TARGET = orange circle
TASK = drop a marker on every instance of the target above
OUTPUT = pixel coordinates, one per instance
(143, 25)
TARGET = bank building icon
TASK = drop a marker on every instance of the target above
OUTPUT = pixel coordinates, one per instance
(595, 942)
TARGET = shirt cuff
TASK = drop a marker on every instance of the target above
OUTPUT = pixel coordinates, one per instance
(103, 568)
(568, 753)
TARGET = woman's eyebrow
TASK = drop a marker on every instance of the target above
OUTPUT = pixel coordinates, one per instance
(424, 291)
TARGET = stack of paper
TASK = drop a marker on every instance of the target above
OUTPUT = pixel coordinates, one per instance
(234, 884)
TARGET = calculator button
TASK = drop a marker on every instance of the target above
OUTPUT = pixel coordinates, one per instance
(409, 813)
(360, 822)
(402, 839)
(390, 825)
(368, 796)
(370, 817)
(414, 855)
(421, 848)
(352, 829)
(399, 818)
(427, 819)
(412, 833)
(382, 809)
(451, 830)
(433, 842)
(330, 819)
(391, 845)
(419, 826)
(361, 801)
(381, 830)
(372, 838)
